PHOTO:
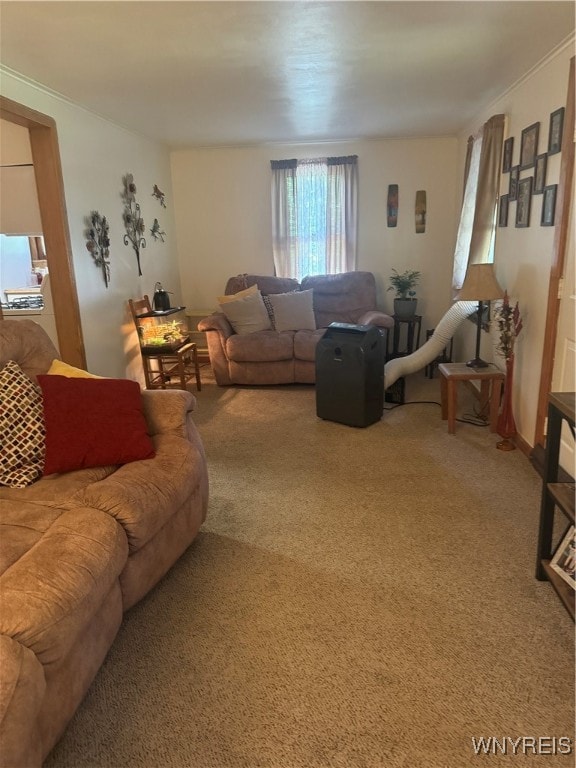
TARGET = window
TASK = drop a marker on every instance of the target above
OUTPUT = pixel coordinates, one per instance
(314, 216)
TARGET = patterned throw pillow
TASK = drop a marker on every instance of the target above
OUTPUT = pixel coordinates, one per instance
(269, 309)
(21, 428)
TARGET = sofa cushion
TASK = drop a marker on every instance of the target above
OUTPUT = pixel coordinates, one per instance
(25, 342)
(142, 496)
(21, 428)
(293, 311)
(305, 344)
(247, 314)
(266, 283)
(341, 298)
(50, 593)
(92, 423)
(264, 346)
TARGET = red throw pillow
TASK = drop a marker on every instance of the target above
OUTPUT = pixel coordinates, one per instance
(92, 423)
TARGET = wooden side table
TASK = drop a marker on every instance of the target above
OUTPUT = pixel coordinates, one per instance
(491, 380)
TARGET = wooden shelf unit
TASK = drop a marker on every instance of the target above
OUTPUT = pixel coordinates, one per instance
(555, 496)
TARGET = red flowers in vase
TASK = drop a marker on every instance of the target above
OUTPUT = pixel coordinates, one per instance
(509, 326)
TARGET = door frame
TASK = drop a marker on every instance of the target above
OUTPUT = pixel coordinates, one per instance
(51, 200)
(563, 202)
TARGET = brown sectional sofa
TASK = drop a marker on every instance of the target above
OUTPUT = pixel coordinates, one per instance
(286, 357)
(79, 549)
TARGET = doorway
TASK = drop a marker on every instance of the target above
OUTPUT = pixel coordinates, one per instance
(50, 186)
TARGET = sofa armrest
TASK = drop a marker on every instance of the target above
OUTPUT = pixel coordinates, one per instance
(373, 317)
(167, 411)
(216, 322)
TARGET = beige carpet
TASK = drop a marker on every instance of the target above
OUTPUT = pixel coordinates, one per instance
(358, 598)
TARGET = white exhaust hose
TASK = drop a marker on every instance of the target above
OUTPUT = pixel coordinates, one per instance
(424, 355)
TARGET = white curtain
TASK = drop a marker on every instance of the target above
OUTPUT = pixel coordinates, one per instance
(314, 216)
(477, 228)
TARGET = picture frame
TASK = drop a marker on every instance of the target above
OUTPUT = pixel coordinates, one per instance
(540, 174)
(529, 146)
(507, 155)
(524, 202)
(555, 131)
(503, 211)
(548, 206)
(513, 186)
(564, 559)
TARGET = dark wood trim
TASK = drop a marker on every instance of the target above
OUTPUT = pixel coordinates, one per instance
(50, 185)
(563, 202)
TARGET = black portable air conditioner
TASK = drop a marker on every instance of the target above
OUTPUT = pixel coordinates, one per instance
(350, 374)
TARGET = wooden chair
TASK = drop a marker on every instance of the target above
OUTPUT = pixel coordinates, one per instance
(167, 366)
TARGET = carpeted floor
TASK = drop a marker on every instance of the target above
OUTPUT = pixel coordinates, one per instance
(357, 598)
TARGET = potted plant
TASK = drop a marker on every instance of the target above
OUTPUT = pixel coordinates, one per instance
(405, 302)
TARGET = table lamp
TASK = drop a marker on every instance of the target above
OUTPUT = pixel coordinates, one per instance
(480, 285)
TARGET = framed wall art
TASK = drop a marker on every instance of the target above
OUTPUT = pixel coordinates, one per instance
(513, 187)
(529, 146)
(503, 211)
(524, 202)
(564, 559)
(555, 131)
(507, 156)
(548, 206)
(540, 174)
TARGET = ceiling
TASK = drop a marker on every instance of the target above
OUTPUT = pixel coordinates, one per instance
(228, 73)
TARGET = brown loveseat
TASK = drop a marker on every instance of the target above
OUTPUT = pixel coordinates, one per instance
(288, 356)
(77, 550)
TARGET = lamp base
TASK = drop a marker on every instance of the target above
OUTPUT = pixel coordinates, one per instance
(477, 363)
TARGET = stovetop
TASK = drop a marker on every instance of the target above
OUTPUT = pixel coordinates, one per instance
(24, 302)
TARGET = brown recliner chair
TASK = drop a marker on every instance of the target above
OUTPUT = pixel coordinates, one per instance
(287, 357)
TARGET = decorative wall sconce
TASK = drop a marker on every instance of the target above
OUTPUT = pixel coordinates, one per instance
(132, 219)
(98, 242)
(156, 232)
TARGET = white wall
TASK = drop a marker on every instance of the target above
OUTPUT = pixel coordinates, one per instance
(95, 155)
(523, 256)
(223, 215)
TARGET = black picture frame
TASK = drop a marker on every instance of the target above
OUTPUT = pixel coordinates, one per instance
(507, 155)
(503, 211)
(548, 206)
(555, 131)
(540, 174)
(563, 559)
(529, 146)
(513, 186)
(524, 202)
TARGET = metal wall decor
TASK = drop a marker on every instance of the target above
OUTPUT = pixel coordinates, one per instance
(420, 212)
(132, 219)
(392, 205)
(159, 195)
(156, 232)
(98, 242)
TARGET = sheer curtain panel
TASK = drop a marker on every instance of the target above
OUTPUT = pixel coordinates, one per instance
(477, 228)
(314, 216)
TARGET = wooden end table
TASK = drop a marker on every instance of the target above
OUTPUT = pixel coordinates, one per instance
(490, 378)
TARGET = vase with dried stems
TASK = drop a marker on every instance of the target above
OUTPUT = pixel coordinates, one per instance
(509, 326)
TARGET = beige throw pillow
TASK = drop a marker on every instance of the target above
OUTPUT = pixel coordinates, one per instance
(293, 311)
(247, 314)
(234, 296)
